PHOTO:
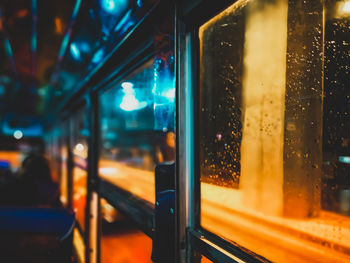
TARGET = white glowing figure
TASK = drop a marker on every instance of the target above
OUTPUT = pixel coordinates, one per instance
(129, 101)
(128, 87)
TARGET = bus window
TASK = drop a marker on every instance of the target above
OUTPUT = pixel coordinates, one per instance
(121, 241)
(137, 128)
(79, 144)
(274, 128)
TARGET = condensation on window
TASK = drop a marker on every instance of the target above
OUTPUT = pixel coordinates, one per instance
(274, 128)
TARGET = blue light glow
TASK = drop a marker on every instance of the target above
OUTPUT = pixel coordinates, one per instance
(97, 56)
(69, 30)
(344, 159)
(8, 48)
(108, 5)
(169, 94)
(123, 21)
(33, 43)
(2, 90)
(74, 51)
(84, 47)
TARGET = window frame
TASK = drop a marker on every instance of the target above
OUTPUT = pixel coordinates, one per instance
(190, 17)
(139, 210)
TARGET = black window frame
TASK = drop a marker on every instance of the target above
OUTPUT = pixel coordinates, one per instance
(192, 15)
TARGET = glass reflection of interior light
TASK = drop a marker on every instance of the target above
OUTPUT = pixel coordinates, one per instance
(79, 147)
(344, 159)
(97, 56)
(8, 48)
(113, 6)
(129, 101)
(107, 170)
(108, 5)
(84, 46)
(128, 87)
(124, 23)
(18, 134)
(74, 51)
(33, 42)
(169, 94)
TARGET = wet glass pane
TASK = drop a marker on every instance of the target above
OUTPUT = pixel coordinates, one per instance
(121, 241)
(79, 144)
(336, 118)
(137, 128)
(274, 140)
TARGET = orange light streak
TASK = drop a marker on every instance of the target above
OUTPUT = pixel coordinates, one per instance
(135, 180)
(276, 238)
(58, 24)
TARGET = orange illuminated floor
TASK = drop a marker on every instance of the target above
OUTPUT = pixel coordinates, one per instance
(123, 243)
(322, 239)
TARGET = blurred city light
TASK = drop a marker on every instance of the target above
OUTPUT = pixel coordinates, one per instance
(344, 159)
(74, 51)
(79, 147)
(346, 7)
(18, 134)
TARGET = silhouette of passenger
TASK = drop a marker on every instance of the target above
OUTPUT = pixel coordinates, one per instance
(6, 181)
(35, 187)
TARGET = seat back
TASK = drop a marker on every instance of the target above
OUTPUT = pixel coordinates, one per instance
(36, 234)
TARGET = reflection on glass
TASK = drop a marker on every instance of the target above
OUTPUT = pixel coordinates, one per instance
(64, 176)
(137, 130)
(79, 194)
(52, 151)
(11, 160)
(63, 163)
(100, 25)
(121, 241)
(274, 128)
(336, 118)
(79, 144)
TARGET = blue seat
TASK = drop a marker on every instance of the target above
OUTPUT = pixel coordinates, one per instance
(38, 234)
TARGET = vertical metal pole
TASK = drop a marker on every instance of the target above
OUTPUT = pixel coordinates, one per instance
(33, 39)
(92, 186)
(185, 189)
